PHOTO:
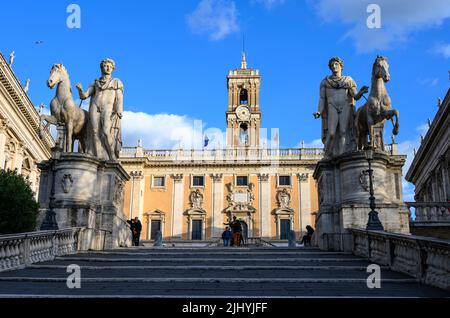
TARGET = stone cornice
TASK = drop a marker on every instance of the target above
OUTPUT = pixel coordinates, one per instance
(431, 147)
(30, 116)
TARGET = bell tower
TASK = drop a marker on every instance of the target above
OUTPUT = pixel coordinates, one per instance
(243, 114)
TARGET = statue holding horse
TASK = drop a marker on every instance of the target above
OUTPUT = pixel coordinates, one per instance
(65, 112)
(377, 109)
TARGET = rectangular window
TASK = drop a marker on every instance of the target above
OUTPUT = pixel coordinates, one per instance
(284, 180)
(198, 181)
(159, 182)
(241, 181)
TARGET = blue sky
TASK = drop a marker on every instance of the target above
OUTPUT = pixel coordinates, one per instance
(173, 58)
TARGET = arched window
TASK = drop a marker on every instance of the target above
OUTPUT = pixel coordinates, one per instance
(243, 135)
(243, 97)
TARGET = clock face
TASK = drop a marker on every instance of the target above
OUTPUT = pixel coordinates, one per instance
(243, 113)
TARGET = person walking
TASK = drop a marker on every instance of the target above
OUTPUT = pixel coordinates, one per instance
(226, 235)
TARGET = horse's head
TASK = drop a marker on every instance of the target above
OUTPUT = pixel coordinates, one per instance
(57, 74)
(381, 68)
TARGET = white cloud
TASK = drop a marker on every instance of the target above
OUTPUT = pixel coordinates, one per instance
(269, 4)
(399, 19)
(217, 18)
(428, 81)
(161, 131)
(443, 49)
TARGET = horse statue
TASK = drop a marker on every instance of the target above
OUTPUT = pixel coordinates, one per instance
(378, 107)
(65, 112)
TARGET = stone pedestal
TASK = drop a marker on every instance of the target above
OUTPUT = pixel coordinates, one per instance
(83, 191)
(343, 186)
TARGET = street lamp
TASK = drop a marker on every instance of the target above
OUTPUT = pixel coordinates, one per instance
(374, 222)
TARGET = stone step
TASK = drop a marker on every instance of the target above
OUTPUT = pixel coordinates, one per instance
(218, 288)
(199, 262)
(200, 273)
(208, 256)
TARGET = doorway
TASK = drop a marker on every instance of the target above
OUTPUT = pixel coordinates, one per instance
(155, 227)
(285, 228)
(197, 229)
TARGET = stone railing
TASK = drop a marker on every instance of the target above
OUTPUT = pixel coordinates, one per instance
(19, 250)
(224, 155)
(258, 242)
(426, 259)
(433, 212)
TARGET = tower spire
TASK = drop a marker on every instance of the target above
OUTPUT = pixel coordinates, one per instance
(244, 60)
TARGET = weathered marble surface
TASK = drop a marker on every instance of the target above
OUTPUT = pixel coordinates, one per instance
(424, 258)
(344, 197)
(87, 193)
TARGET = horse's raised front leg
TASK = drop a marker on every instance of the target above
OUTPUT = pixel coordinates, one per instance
(390, 114)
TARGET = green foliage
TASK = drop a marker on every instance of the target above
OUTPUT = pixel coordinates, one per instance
(18, 208)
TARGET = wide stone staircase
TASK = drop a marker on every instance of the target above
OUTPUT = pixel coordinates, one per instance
(231, 272)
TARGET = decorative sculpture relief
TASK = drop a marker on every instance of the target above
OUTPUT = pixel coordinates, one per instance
(118, 191)
(364, 180)
(67, 183)
(196, 199)
(284, 199)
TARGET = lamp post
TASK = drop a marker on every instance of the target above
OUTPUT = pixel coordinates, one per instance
(374, 222)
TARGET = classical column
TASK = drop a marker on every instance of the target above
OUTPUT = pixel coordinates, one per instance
(217, 200)
(177, 206)
(137, 197)
(257, 96)
(264, 205)
(3, 127)
(305, 201)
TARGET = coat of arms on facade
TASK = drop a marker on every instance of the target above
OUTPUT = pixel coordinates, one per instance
(66, 183)
(196, 199)
(284, 199)
(240, 200)
(364, 180)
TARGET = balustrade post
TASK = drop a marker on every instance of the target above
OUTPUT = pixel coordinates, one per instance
(26, 251)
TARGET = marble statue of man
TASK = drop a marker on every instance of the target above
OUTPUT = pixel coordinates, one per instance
(337, 109)
(12, 56)
(27, 85)
(105, 112)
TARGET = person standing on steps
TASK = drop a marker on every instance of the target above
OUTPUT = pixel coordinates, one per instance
(237, 229)
(136, 228)
(226, 235)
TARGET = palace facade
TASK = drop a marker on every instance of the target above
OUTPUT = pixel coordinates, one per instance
(21, 147)
(190, 194)
(430, 173)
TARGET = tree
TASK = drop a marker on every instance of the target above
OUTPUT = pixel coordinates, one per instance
(18, 208)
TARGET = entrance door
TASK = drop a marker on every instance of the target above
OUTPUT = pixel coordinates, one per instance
(285, 227)
(155, 227)
(197, 229)
(244, 232)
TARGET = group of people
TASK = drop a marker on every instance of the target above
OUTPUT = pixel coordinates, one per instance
(234, 236)
(136, 228)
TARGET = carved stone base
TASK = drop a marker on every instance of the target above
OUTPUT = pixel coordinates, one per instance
(86, 192)
(343, 187)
